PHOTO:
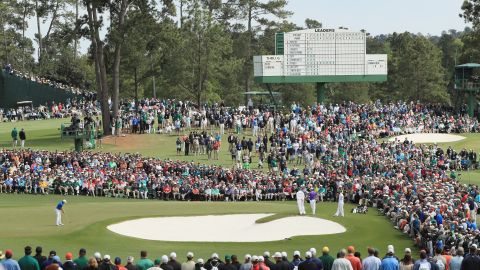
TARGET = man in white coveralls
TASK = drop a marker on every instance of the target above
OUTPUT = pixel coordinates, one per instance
(301, 201)
(340, 205)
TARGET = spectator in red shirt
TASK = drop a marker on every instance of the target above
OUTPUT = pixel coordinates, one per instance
(356, 264)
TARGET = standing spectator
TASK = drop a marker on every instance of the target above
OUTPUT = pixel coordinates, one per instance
(106, 264)
(326, 259)
(308, 264)
(55, 265)
(22, 137)
(164, 263)
(280, 263)
(130, 265)
(247, 264)
(340, 263)
(27, 262)
(371, 262)
(190, 263)
(470, 262)
(173, 261)
(235, 262)
(14, 135)
(69, 264)
(49, 260)
(229, 266)
(9, 263)
(213, 262)
(92, 264)
(144, 263)
(82, 260)
(407, 262)
(297, 260)
(422, 263)
(456, 261)
(157, 264)
(38, 255)
(268, 262)
(390, 262)
(440, 259)
(356, 263)
(118, 264)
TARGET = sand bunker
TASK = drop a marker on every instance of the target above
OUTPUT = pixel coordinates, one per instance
(429, 138)
(227, 228)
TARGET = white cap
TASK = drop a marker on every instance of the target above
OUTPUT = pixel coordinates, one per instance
(408, 250)
(254, 258)
(190, 254)
(390, 249)
(200, 260)
(284, 254)
(64, 201)
(308, 254)
(214, 256)
(164, 259)
(173, 255)
(266, 254)
(313, 250)
(106, 257)
(261, 259)
(248, 257)
(97, 255)
(296, 253)
(277, 255)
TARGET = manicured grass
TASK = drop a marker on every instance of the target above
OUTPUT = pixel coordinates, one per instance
(41, 134)
(29, 220)
(45, 135)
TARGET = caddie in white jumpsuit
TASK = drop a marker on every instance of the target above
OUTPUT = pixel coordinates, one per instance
(301, 201)
(340, 205)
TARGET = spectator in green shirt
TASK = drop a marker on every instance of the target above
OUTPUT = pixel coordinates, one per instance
(27, 262)
(144, 263)
(82, 260)
(326, 259)
(14, 135)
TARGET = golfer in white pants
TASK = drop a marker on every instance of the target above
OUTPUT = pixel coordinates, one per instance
(312, 197)
(340, 205)
(59, 211)
(301, 202)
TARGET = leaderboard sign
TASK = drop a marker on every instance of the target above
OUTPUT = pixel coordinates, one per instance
(320, 52)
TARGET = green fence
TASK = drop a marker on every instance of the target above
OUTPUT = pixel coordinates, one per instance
(14, 89)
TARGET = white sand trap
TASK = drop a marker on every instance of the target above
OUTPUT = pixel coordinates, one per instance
(429, 138)
(227, 228)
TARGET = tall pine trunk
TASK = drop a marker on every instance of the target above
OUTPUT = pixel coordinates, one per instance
(39, 35)
(100, 69)
(118, 50)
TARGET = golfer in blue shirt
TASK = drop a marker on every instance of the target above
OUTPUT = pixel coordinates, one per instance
(60, 212)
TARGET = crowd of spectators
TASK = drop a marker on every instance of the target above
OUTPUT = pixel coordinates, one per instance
(325, 148)
(84, 103)
(9, 69)
(346, 259)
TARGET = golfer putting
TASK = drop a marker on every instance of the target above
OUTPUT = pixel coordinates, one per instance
(59, 211)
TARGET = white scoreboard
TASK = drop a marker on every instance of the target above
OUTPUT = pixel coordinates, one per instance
(321, 52)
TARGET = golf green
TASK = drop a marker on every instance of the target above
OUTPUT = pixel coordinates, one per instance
(30, 220)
